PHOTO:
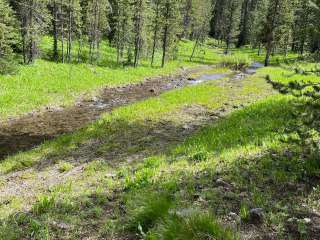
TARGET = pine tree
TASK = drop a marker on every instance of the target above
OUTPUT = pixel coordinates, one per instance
(123, 27)
(156, 22)
(315, 28)
(34, 17)
(8, 37)
(232, 17)
(257, 22)
(96, 25)
(200, 26)
(171, 26)
(278, 11)
(217, 22)
(302, 20)
(66, 24)
(140, 9)
(73, 10)
(187, 15)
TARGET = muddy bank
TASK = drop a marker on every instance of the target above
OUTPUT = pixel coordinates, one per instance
(28, 131)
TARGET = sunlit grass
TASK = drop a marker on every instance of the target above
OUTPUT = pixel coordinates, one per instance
(49, 83)
(285, 75)
(206, 94)
(253, 126)
(174, 194)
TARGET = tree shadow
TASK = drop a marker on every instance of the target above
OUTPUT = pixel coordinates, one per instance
(248, 126)
(280, 182)
(31, 130)
(277, 179)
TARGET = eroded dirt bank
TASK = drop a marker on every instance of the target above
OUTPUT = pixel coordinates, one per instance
(28, 131)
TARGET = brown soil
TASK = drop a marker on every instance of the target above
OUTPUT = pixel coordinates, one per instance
(28, 131)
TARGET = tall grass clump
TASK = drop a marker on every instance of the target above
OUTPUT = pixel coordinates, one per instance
(195, 225)
(145, 210)
(236, 61)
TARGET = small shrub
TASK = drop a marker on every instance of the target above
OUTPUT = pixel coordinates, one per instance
(66, 205)
(44, 204)
(64, 167)
(141, 178)
(7, 66)
(238, 62)
(199, 156)
(244, 213)
(95, 166)
(95, 212)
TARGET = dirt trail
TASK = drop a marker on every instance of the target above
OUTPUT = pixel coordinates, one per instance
(28, 131)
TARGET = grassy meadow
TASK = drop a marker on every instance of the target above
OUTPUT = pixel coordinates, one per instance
(46, 83)
(188, 164)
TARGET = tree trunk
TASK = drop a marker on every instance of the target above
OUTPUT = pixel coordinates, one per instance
(31, 40)
(70, 32)
(155, 35)
(268, 54)
(62, 32)
(259, 50)
(164, 46)
(194, 48)
(79, 49)
(242, 39)
(138, 30)
(165, 35)
(24, 39)
(55, 32)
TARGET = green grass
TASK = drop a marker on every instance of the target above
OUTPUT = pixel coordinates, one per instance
(253, 131)
(54, 84)
(175, 196)
(64, 167)
(184, 191)
(192, 225)
(285, 75)
(168, 175)
(46, 83)
(277, 59)
(131, 117)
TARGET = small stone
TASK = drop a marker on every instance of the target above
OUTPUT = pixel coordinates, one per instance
(288, 154)
(243, 195)
(233, 216)
(256, 216)
(292, 220)
(63, 226)
(291, 186)
(95, 99)
(221, 182)
(111, 175)
(307, 220)
(186, 127)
